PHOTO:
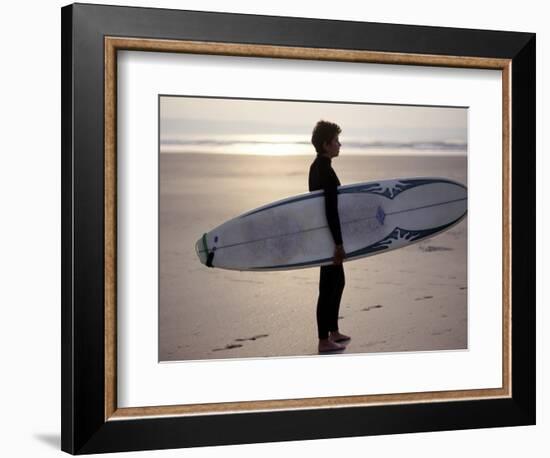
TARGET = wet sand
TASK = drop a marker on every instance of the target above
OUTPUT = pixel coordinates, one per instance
(411, 299)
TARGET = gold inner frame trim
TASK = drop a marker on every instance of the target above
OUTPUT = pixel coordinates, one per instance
(114, 44)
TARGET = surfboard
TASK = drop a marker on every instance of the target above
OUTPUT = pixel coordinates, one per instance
(375, 217)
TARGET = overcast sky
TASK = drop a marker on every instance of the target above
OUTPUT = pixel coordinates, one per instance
(184, 119)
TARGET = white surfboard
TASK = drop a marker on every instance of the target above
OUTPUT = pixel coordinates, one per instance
(375, 217)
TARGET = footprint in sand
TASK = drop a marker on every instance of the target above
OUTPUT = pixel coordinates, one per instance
(244, 339)
(367, 309)
(228, 347)
(431, 248)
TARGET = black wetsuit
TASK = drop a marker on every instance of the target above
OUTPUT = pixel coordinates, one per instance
(332, 279)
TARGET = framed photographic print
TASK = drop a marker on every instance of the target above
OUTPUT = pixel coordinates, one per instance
(272, 221)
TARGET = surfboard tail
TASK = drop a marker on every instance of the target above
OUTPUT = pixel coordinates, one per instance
(201, 252)
(205, 254)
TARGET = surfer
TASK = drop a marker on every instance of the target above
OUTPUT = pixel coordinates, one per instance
(325, 139)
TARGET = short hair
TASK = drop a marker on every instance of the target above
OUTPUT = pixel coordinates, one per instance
(324, 131)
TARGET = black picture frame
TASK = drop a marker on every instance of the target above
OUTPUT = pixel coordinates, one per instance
(85, 428)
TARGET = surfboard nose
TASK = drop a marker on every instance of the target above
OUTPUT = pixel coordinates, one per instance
(201, 252)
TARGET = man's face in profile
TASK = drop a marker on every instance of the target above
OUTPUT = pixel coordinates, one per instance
(332, 148)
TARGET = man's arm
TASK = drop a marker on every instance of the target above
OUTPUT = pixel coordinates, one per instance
(331, 210)
(329, 186)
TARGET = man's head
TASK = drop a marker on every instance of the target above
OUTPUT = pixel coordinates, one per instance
(325, 138)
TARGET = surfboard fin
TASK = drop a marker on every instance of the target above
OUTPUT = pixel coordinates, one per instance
(209, 259)
(209, 254)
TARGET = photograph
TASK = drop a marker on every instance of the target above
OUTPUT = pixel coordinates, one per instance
(299, 228)
(266, 221)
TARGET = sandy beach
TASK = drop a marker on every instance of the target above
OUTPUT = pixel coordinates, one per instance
(411, 299)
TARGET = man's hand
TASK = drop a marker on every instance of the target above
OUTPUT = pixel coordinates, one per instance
(339, 254)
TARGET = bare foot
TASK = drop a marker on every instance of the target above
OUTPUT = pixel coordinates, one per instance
(327, 345)
(337, 337)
